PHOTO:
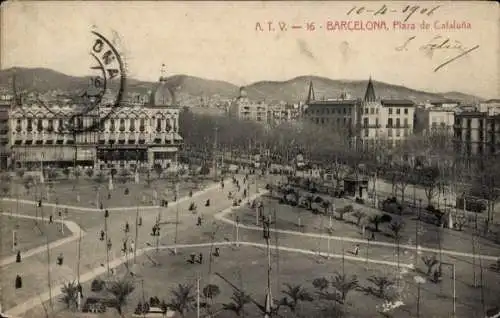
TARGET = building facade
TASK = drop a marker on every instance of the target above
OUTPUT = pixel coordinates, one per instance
(476, 134)
(136, 134)
(368, 120)
(244, 108)
(434, 120)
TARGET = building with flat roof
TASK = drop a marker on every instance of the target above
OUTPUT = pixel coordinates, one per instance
(136, 134)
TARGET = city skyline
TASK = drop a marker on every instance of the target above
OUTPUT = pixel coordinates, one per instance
(232, 44)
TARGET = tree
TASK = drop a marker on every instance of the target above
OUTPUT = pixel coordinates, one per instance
(359, 215)
(182, 299)
(238, 301)
(430, 262)
(293, 295)
(403, 178)
(346, 209)
(331, 310)
(69, 295)
(120, 290)
(326, 205)
(66, 172)
(382, 283)
(321, 283)
(344, 284)
(376, 220)
(429, 177)
(460, 221)
(89, 172)
(210, 292)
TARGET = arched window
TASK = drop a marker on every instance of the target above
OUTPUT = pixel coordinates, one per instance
(111, 125)
(122, 124)
(132, 124)
(142, 125)
(158, 124)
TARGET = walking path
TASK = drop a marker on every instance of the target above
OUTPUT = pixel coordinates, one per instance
(222, 217)
(56, 291)
(72, 226)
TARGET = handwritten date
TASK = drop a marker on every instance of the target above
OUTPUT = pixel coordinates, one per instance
(408, 11)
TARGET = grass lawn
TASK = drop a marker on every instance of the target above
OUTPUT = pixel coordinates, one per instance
(84, 193)
(246, 267)
(428, 235)
(29, 234)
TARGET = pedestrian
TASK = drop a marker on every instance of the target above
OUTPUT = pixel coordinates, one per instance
(199, 221)
(19, 282)
(18, 257)
(124, 249)
(193, 256)
(200, 258)
(207, 203)
(80, 290)
(101, 206)
(127, 227)
(60, 259)
(222, 185)
(140, 221)
(39, 203)
(109, 244)
(132, 246)
(109, 196)
(373, 236)
(190, 193)
(245, 193)
(217, 251)
(102, 235)
(51, 219)
(356, 249)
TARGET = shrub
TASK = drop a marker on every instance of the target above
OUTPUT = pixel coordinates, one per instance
(391, 207)
(359, 200)
(97, 285)
(386, 218)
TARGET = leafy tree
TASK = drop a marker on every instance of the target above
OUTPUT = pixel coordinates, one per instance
(429, 177)
(293, 295)
(359, 215)
(120, 290)
(344, 284)
(382, 283)
(182, 299)
(69, 295)
(89, 172)
(321, 283)
(238, 301)
(430, 262)
(210, 292)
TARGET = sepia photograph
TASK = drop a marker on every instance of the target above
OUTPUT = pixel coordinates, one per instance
(225, 159)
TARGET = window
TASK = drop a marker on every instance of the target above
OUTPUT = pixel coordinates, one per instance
(372, 110)
(132, 125)
(398, 122)
(30, 124)
(365, 122)
(79, 123)
(406, 111)
(60, 125)
(50, 125)
(18, 125)
(376, 122)
(157, 140)
(366, 111)
(405, 122)
(389, 123)
(390, 111)
(141, 125)
(122, 124)
(131, 141)
(398, 111)
(389, 132)
(367, 132)
(39, 125)
(398, 132)
(112, 125)
(158, 125)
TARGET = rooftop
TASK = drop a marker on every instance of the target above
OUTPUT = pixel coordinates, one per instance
(397, 102)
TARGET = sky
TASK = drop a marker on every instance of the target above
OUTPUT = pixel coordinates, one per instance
(222, 41)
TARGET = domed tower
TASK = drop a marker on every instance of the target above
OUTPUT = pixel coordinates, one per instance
(162, 94)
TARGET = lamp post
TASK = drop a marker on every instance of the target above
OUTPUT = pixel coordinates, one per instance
(452, 266)
(419, 280)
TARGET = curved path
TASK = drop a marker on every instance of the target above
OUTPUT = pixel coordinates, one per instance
(222, 217)
(213, 192)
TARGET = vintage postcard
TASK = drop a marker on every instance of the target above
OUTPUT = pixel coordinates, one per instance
(249, 159)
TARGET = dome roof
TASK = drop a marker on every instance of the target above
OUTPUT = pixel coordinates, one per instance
(162, 94)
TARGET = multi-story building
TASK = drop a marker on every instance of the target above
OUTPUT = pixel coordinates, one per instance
(368, 119)
(135, 134)
(435, 119)
(244, 108)
(492, 106)
(4, 133)
(476, 134)
(284, 112)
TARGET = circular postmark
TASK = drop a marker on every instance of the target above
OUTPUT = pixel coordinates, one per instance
(92, 106)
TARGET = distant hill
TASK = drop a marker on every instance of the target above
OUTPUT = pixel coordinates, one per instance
(297, 89)
(197, 91)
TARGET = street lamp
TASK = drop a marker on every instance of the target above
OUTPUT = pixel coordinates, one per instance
(419, 280)
(452, 266)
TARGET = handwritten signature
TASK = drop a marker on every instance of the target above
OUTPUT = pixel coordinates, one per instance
(440, 43)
